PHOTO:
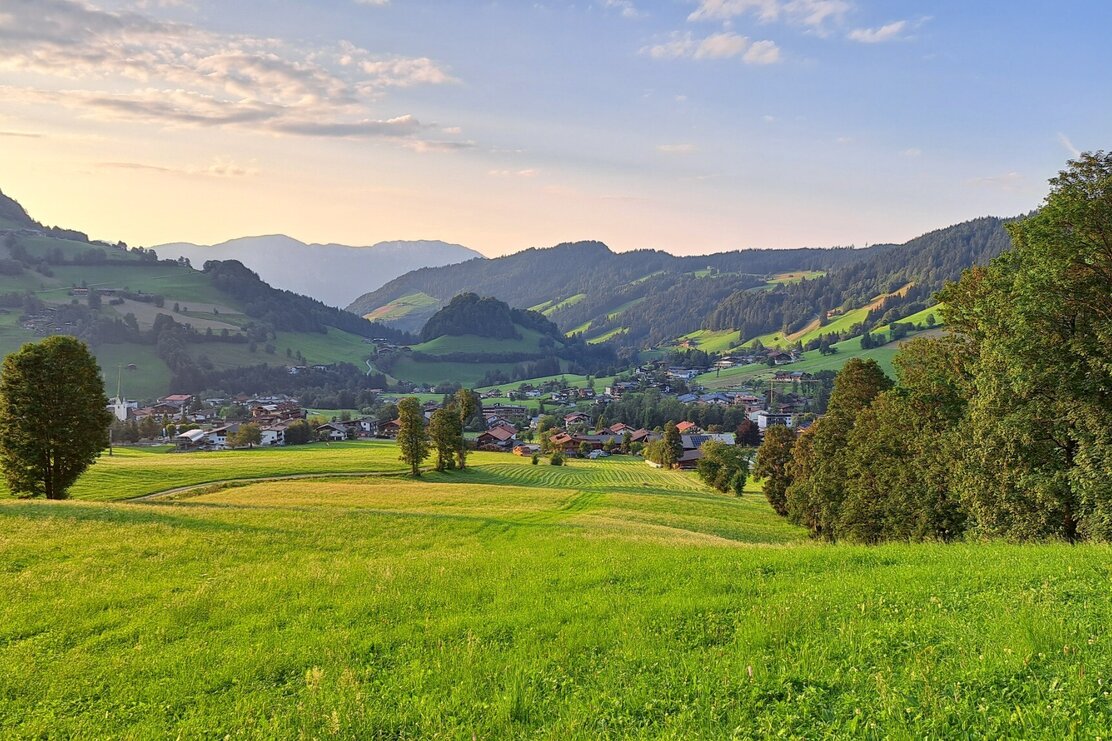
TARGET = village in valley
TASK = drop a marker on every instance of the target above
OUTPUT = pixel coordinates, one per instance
(525, 419)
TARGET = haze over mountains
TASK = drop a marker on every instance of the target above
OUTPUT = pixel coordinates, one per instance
(333, 273)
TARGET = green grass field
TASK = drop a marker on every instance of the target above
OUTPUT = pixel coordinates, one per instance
(132, 472)
(600, 600)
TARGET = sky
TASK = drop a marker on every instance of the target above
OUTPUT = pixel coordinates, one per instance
(691, 126)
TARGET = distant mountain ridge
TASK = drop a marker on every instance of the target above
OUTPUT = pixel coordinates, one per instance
(645, 298)
(332, 273)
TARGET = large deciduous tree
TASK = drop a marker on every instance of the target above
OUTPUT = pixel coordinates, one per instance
(1039, 443)
(53, 417)
(446, 434)
(899, 456)
(773, 460)
(413, 440)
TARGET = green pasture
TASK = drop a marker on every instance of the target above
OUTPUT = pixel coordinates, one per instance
(605, 599)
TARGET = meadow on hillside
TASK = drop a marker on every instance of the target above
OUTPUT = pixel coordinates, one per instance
(601, 599)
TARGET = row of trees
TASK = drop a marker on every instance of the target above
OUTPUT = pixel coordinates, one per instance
(443, 434)
(1001, 428)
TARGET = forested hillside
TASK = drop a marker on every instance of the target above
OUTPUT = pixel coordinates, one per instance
(579, 283)
(908, 274)
(646, 298)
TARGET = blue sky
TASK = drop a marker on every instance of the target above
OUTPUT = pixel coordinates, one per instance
(686, 125)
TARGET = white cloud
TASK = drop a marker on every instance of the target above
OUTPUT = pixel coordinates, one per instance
(721, 46)
(813, 14)
(888, 32)
(762, 52)
(676, 148)
(724, 45)
(130, 66)
(376, 3)
(912, 153)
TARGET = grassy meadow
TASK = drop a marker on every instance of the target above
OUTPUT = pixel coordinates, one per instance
(132, 472)
(602, 599)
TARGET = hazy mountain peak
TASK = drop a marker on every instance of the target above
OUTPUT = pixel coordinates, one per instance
(333, 273)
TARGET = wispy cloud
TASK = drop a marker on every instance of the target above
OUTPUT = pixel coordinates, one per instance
(676, 148)
(217, 168)
(1008, 182)
(526, 173)
(888, 32)
(131, 66)
(724, 45)
(1068, 145)
(626, 8)
(816, 15)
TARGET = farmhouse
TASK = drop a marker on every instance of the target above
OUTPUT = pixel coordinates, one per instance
(500, 437)
(217, 438)
(576, 418)
(332, 431)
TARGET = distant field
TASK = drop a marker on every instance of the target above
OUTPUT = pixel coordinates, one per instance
(446, 344)
(607, 335)
(466, 374)
(601, 600)
(569, 301)
(571, 379)
(796, 277)
(813, 361)
(710, 340)
(403, 306)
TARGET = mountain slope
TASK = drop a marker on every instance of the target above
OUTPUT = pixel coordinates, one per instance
(647, 298)
(582, 283)
(333, 273)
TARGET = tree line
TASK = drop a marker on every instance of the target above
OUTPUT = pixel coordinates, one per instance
(1002, 427)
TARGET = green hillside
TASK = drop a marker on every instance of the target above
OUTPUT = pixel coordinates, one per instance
(528, 341)
(229, 318)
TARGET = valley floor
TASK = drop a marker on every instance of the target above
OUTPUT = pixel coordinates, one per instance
(602, 599)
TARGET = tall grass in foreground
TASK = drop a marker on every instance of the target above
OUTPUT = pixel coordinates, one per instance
(601, 600)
